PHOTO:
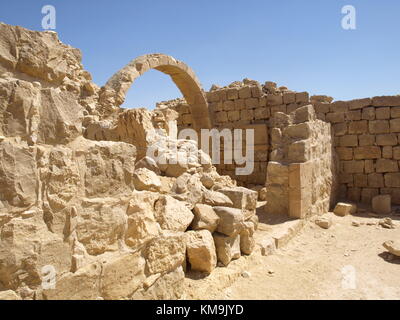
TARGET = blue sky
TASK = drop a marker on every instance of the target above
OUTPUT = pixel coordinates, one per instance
(298, 44)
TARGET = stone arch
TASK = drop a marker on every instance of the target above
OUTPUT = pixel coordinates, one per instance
(113, 93)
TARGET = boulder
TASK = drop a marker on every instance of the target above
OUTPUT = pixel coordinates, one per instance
(144, 179)
(172, 214)
(242, 198)
(228, 247)
(247, 241)
(231, 220)
(343, 209)
(166, 252)
(142, 224)
(200, 249)
(393, 247)
(215, 198)
(122, 275)
(204, 218)
(323, 222)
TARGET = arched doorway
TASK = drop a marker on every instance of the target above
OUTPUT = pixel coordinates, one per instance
(113, 93)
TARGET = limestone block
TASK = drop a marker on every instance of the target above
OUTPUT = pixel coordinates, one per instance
(84, 284)
(366, 140)
(299, 151)
(348, 141)
(215, 198)
(353, 115)
(142, 224)
(382, 204)
(368, 193)
(201, 251)
(375, 180)
(232, 94)
(386, 165)
(274, 99)
(358, 127)
(204, 218)
(379, 126)
(392, 180)
(304, 114)
(122, 275)
(367, 152)
(395, 112)
(393, 247)
(242, 198)
(339, 106)
(345, 153)
(368, 113)
(166, 252)
(323, 222)
(359, 103)
(231, 220)
(382, 113)
(247, 241)
(386, 101)
(172, 214)
(300, 182)
(340, 128)
(227, 247)
(344, 209)
(353, 166)
(395, 125)
(144, 179)
(335, 117)
(302, 97)
(245, 92)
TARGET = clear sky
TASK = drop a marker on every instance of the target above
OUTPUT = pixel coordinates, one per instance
(296, 43)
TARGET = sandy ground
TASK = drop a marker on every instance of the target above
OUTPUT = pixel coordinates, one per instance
(342, 262)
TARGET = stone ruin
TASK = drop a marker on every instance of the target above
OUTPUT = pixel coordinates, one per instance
(85, 213)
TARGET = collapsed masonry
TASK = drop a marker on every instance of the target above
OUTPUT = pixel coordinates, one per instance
(81, 200)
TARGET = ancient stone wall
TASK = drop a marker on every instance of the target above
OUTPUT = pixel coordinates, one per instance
(301, 174)
(366, 139)
(245, 105)
(366, 133)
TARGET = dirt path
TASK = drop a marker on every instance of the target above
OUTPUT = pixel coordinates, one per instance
(343, 262)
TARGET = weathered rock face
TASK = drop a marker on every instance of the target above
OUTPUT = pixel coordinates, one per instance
(87, 211)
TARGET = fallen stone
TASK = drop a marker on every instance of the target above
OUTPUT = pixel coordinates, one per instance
(172, 214)
(393, 247)
(323, 222)
(204, 218)
(228, 247)
(267, 246)
(387, 223)
(343, 209)
(200, 249)
(144, 179)
(215, 198)
(247, 241)
(231, 220)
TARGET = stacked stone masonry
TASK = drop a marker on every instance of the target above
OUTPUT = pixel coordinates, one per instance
(366, 133)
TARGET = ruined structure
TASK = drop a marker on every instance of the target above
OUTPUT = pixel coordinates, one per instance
(85, 213)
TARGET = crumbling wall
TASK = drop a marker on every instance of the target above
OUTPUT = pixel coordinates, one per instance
(245, 105)
(301, 173)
